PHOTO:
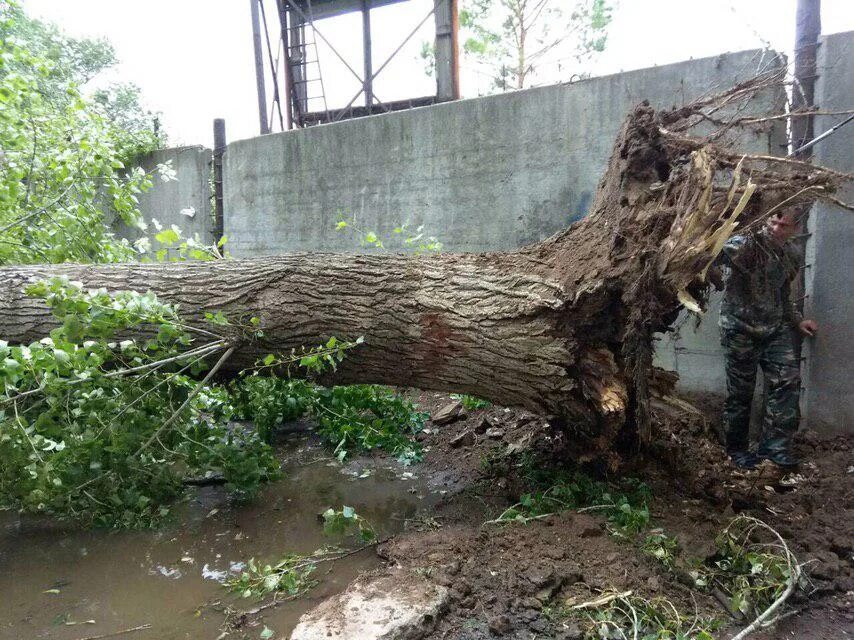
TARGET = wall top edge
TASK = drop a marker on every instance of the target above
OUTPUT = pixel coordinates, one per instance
(514, 95)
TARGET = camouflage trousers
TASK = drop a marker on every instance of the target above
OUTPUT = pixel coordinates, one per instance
(775, 353)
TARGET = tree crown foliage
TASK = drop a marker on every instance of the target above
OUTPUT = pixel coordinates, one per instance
(101, 428)
(515, 41)
(65, 157)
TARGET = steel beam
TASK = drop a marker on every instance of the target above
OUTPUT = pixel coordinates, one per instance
(807, 32)
(259, 67)
(288, 78)
(218, 151)
(368, 85)
(447, 50)
(321, 9)
(358, 111)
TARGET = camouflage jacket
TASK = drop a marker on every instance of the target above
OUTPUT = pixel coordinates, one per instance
(757, 278)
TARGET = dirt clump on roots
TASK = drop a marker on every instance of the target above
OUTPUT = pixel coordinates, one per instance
(511, 580)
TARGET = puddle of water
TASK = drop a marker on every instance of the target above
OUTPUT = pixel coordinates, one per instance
(54, 581)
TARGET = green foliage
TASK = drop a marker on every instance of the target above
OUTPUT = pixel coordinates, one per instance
(428, 57)
(173, 246)
(82, 412)
(513, 39)
(629, 616)
(121, 104)
(751, 571)
(752, 574)
(366, 417)
(402, 238)
(64, 164)
(346, 521)
(97, 315)
(471, 403)
(70, 60)
(81, 405)
(662, 547)
(625, 507)
(627, 518)
(75, 62)
(315, 360)
(291, 576)
(240, 456)
(269, 401)
(351, 418)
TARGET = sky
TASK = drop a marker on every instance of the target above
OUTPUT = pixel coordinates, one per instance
(193, 59)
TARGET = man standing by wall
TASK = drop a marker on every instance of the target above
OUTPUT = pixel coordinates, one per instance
(758, 321)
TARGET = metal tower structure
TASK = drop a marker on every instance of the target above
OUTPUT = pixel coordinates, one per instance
(285, 35)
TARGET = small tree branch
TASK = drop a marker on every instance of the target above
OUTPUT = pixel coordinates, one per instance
(29, 216)
(791, 583)
(598, 602)
(198, 352)
(117, 633)
(186, 402)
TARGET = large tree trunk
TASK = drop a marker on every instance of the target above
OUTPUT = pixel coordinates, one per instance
(563, 327)
(482, 324)
(495, 325)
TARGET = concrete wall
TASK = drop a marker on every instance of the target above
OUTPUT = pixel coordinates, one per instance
(483, 174)
(165, 200)
(828, 400)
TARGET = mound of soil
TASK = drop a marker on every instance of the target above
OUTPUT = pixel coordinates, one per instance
(501, 580)
(504, 579)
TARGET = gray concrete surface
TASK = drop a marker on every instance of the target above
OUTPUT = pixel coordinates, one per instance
(828, 400)
(484, 174)
(165, 200)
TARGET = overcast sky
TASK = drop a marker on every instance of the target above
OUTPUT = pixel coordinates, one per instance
(193, 58)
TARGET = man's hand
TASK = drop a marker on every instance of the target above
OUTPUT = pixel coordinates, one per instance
(808, 327)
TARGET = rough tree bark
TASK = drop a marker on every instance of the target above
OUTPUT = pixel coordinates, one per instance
(563, 327)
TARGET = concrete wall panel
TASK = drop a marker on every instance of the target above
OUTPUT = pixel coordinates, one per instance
(482, 174)
(165, 200)
(828, 400)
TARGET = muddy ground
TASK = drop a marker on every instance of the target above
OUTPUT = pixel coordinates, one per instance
(504, 579)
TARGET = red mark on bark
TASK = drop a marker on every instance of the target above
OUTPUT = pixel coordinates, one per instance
(437, 340)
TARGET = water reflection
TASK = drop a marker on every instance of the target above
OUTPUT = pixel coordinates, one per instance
(62, 584)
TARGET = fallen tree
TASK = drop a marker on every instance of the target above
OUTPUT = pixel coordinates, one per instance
(564, 327)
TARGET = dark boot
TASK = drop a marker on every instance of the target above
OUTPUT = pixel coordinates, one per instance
(744, 459)
(782, 459)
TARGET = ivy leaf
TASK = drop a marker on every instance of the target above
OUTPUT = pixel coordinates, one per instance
(167, 237)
